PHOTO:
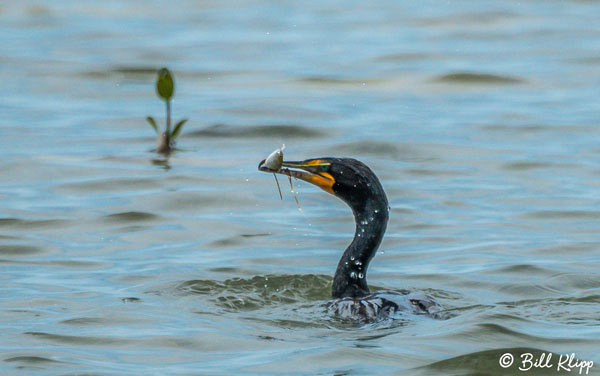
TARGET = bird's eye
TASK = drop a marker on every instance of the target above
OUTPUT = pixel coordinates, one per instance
(324, 168)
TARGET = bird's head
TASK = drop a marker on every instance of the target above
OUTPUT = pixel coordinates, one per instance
(346, 178)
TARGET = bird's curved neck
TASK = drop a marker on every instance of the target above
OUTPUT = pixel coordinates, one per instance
(350, 278)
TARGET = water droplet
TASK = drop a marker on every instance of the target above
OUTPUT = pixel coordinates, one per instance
(346, 262)
(382, 252)
(353, 275)
(361, 276)
(358, 235)
(352, 258)
(364, 222)
(362, 230)
(357, 262)
(376, 211)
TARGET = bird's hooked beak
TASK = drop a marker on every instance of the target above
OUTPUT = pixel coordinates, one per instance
(311, 170)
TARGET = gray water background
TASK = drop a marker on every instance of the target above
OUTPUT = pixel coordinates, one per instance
(480, 119)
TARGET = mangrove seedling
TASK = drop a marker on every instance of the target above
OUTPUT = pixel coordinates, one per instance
(165, 88)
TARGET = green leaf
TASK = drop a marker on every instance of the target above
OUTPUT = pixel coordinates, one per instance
(152, 122)
(164, 84)
(177, 128)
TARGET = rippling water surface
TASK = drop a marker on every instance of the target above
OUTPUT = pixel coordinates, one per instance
(480, 119)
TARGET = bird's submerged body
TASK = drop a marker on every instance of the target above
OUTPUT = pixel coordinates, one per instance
(382, 305)
(355, 184)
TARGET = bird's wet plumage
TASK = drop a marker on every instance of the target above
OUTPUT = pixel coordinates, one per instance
(383, 304)
(355, 183)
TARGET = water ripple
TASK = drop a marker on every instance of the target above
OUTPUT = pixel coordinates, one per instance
(258, 131)
(469, 78)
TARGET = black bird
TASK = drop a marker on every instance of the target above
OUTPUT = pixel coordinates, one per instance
(355, 184)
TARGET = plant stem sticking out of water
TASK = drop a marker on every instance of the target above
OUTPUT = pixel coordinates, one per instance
(165, 89)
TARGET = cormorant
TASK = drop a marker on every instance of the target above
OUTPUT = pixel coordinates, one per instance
(356, 184)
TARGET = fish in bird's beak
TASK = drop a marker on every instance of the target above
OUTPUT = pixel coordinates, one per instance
(314, 171)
